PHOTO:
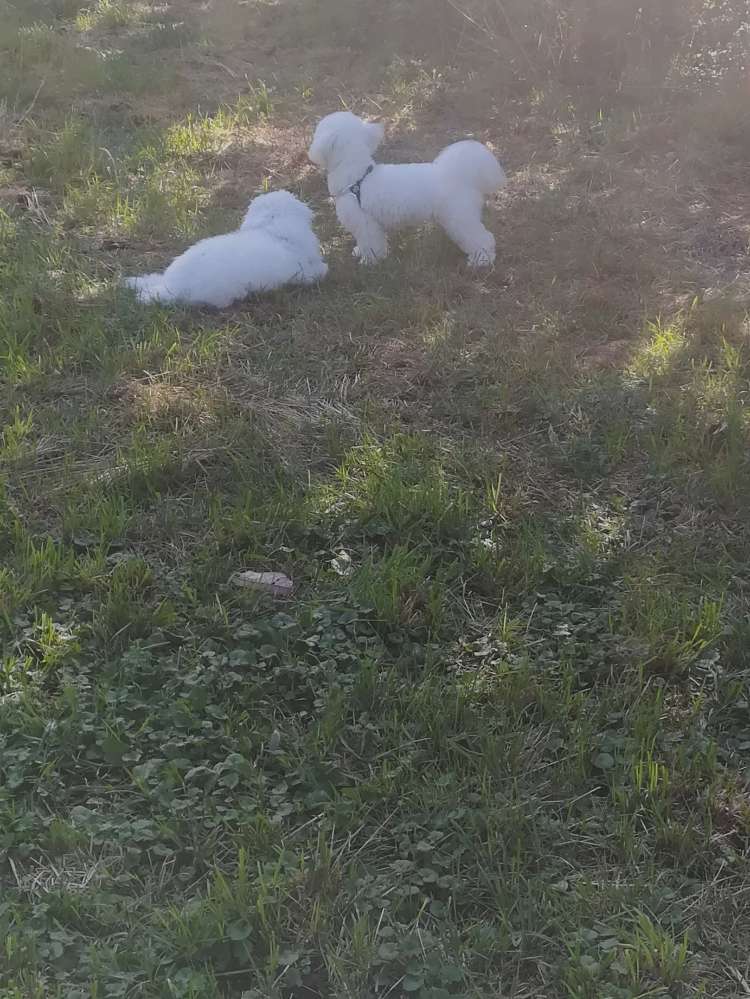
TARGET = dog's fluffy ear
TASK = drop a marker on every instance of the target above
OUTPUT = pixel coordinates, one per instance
(322, 148)
(375, 132)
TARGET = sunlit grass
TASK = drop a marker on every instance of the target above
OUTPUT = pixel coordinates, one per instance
(662, 344)
(109, 14)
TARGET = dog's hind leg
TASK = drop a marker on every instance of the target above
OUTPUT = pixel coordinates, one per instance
(477, 243)
(467, 232)
(372, 242)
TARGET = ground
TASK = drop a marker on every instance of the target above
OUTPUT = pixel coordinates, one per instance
(496, 742)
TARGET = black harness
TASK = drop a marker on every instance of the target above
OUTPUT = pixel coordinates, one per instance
(356, 189)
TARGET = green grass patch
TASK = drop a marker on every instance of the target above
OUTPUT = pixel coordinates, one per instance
(495, 741)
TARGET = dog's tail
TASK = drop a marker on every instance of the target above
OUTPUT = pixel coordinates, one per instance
(470, 162)
(150, 288)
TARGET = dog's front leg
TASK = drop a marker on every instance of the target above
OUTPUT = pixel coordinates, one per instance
(372, 242)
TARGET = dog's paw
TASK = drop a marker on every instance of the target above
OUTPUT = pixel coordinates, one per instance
(481, 259)
(367, 257)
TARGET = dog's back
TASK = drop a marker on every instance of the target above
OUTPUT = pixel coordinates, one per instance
(401, 193)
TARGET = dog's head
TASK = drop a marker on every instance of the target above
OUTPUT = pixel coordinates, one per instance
(342, 135)
(278, 209)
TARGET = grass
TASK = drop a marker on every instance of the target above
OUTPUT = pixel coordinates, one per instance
(496, 741)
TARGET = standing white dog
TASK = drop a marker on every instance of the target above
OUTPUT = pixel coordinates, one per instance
(274, 246)
(371, 198)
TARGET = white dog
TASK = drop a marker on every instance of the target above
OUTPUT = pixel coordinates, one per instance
(372, 198)
(274, 246)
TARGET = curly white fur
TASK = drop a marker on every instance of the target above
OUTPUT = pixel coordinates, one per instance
(274, 246)
(451, 190)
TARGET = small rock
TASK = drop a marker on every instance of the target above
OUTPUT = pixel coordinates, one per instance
(341, 563)
(272, 582)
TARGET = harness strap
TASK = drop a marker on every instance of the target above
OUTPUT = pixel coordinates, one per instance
(356, 189)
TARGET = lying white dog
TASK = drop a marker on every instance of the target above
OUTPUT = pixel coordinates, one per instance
(274, 246)
(372, 198)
